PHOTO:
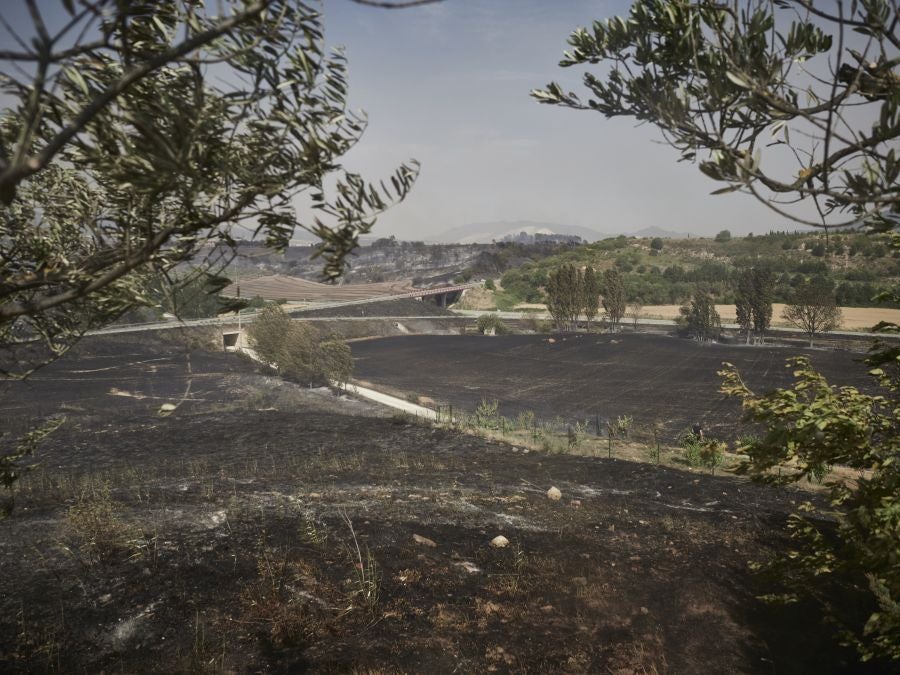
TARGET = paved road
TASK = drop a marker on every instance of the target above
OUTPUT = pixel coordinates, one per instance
(664, 322)
(458, 314)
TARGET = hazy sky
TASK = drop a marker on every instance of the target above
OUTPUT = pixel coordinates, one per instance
(448, 84)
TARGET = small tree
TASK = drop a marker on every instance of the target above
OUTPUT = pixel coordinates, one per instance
(753, 302)
(656, 244)
(743, 314)
(634, 312)
(700, 318)
(723, 236)
(613, 297)
(491, 323)
(298, 350)
(564, 297)
(813, 308)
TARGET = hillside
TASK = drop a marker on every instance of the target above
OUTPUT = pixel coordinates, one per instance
(662, 272)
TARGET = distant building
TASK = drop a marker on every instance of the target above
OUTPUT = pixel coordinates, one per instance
(528, 239)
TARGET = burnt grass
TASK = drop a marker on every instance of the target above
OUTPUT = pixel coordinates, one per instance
(656, 379)
(217, 538)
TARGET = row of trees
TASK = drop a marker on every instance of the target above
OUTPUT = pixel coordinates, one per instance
(573, 292)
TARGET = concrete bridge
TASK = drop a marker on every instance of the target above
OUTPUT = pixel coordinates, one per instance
(442, 296)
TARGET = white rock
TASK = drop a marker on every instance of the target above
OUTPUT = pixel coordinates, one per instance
(425, 541)
(499, 541)
(554, 494)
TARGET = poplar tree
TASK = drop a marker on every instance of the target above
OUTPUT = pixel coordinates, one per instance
(590, 294)
(614, 303)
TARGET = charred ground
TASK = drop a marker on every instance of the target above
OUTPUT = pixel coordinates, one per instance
(654, 378)
(216, 538)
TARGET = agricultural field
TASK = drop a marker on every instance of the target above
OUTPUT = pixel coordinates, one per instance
(852, 318)
(653, 378)
(195, 514)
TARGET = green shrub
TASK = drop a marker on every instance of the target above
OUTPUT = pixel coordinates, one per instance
(711, 454)
(488, 322)
(692, 453)
(298, 350)
(486, 416)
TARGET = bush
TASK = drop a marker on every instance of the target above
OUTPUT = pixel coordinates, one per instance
(488, 322)
(723, 236)
(97, 531)
(843, 554)
(489, 285)
(298, 350)
(486, 415)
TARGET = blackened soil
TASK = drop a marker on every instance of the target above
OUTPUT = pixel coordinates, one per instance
(260, 527)
(653, 378)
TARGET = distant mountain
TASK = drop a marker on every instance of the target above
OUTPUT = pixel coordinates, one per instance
(485, 233)
(651, 232)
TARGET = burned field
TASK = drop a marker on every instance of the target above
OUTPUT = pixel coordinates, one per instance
(261, 527)
(653, 378)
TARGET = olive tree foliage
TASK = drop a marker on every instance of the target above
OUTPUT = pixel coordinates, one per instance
(298, 351)
(811, 427)
(139, 135)
(813, 308)
(788, 100)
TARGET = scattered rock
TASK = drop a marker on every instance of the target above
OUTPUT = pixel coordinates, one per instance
(425, 541)
(575, 503)
(469, 567)
(554, 494)
(499, 541)
(644, 610)
(315, 495)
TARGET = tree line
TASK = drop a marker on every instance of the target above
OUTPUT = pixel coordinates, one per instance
(572, 293)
